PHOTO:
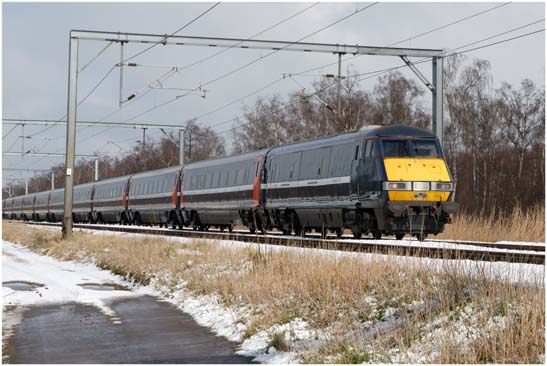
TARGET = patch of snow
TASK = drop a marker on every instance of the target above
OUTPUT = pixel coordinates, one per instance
(296, 335)
(59, 281)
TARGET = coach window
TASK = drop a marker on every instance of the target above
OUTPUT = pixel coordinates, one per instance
(425, 148)
(368, 148)
(235, 176)
(291, 172)
(395, 148)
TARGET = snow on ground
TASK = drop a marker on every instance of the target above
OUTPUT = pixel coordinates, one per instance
(59, 281)
(209, 311)
(56, 282)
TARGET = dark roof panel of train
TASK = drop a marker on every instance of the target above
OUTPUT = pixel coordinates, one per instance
(162, 171)
(367, 131)
(225, 159)
(400, 130)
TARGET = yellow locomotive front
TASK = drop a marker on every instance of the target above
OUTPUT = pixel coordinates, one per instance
(417, 184)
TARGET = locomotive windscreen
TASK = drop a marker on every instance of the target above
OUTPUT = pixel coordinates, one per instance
(410, 148)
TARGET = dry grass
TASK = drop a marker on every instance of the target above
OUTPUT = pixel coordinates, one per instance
(519, 226)
(369, 308)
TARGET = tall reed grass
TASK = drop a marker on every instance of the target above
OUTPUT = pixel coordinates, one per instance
(518, 226)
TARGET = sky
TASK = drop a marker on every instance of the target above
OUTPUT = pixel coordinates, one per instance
(35, 61)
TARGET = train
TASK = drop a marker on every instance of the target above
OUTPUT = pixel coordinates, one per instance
(381, 180)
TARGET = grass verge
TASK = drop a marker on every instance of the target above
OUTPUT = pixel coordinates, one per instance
(373, 310)
(518, 226)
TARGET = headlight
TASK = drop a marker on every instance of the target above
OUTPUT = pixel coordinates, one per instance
(397, 186)
(420, 186)
(443, 186)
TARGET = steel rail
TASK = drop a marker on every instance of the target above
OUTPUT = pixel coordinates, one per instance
(510, 246)
(306, 242)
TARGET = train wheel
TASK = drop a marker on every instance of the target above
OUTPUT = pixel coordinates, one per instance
(295, 225)
(339, 232)
(357, 234)
(231, 228)
(421, 237)
(377, 235)
(399, 236)
(324, 231)
(252, 229)
(138, 219)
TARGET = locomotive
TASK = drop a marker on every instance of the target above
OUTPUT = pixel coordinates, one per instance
(390, 180)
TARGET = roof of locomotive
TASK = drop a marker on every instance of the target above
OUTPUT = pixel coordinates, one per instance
(368, 131)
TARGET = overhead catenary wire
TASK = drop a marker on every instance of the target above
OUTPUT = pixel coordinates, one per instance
(175, 69)
(457, 21)
(171, 72)
(249, 38)
(420, 61)
(82, 100)
(460, 20)
(10, 131)
(14, 143)
(172, 34)
(380, 72)
(146, 89)
(470, 50)
(223, 76)
(140, 53)
(453, 49)
(141, 92)
(96, 56)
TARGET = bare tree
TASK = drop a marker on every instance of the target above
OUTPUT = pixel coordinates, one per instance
(523, 116)
(263, 125)
(201, 143)
(398, 100)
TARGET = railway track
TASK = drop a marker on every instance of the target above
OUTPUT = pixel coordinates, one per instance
(510, 246)
(490, 252)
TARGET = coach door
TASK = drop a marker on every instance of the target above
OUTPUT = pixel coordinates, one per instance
(356, 171)
(177, 190)
(125, 195)
(257, 179)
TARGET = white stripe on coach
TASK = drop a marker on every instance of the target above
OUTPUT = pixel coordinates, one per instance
(308, 183)
(247, 187)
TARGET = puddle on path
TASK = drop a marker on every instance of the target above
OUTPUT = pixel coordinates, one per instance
(22, 285)
(103, 286)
